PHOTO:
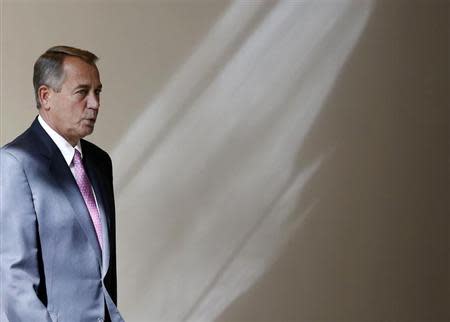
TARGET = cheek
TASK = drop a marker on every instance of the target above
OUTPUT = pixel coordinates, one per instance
(59, 110)
(69, 115)
(76, 110)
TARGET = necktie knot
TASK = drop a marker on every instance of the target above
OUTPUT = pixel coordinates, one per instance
(76, 158)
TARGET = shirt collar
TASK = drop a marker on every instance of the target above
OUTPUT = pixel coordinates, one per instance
(65, 147)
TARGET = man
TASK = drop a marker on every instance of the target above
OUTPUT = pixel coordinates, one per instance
(57, 219)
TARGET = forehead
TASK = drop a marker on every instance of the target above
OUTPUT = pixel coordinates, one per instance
(78, 71)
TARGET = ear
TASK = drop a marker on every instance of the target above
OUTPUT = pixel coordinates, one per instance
(44, 95)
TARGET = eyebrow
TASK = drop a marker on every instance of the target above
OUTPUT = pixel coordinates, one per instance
(86, 86)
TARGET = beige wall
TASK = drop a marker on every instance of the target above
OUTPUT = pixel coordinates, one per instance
(377, 246)
(365, 235)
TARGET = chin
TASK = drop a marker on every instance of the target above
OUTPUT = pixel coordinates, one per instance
(87, 131)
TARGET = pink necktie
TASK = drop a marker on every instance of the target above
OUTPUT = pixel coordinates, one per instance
(86, 191)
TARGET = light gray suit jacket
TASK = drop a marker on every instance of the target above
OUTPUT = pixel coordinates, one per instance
(52, 268)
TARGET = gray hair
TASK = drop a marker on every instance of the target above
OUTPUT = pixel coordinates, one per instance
(48, 68)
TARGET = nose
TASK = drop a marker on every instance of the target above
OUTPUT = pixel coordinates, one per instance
(93, 101)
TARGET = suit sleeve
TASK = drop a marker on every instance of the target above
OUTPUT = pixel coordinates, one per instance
(19, 246)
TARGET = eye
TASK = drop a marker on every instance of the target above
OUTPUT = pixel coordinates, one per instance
(82, 92)
(97, 92)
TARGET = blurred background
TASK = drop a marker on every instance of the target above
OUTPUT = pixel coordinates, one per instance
(274, 160)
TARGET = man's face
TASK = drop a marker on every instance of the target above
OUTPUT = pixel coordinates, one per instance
(73, 110)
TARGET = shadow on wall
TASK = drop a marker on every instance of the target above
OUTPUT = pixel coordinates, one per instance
(375, 246)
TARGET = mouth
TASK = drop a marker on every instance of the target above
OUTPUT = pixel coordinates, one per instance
(91, 121)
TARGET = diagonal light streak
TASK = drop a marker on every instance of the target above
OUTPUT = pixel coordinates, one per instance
(154, 122)
(216, 187)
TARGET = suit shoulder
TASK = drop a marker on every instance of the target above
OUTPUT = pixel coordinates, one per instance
(20, 146)
(15, 153)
